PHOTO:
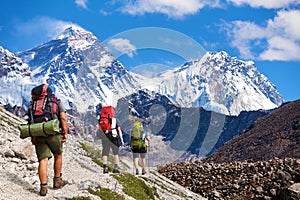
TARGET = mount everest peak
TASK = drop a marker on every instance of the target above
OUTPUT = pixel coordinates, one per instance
(82, 69)
(77, 37)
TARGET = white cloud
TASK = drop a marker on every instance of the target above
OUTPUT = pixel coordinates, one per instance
(122, 45)
(266, 3)
(81, 3)
(278, 40)
(150, 69)
(281, 49)
(104, 12)
(46, 27)
(286, 23)
(171, 8)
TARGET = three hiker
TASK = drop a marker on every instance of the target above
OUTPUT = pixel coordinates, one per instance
(41, 110)
(45, 107)
(111, 135)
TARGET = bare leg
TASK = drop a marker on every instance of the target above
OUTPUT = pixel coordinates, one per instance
(143, 159)
(104, 160)
(136, 163)
(116, 159)
(58, 182)
(143, 163)
(43, 170)
(57, 165)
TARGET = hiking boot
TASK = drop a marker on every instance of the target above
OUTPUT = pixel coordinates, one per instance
(58, 182)
(116, 170)
(143, 172)
(136, 172)
(43, 190)
(105, 170)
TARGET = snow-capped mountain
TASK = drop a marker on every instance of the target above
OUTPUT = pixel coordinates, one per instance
(86, 74)
(219, 83)
(82, 69)
(14, 77)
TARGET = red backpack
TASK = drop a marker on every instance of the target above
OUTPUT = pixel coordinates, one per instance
(106, 116)
(43, 106)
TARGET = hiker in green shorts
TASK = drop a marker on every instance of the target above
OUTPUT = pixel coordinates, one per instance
(51, 145)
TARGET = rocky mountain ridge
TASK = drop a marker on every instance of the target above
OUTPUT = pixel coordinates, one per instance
(274, 135)
(186, 133)
(221, 83)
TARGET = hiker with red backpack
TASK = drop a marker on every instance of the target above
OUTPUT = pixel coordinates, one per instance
(45, 107)
(111, 135)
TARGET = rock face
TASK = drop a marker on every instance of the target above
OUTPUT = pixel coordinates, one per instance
(273, 179)
(274, 135)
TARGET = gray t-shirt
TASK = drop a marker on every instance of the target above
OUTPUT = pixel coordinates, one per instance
(61, 107)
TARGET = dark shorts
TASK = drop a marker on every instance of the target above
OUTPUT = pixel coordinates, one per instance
(139, 152)
(46, 146)
(109, 142)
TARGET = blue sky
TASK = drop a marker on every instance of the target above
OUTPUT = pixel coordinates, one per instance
(267, 32)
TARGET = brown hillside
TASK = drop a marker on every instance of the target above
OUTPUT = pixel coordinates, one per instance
(274, 135)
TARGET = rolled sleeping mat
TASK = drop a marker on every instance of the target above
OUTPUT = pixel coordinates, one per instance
(43, 129)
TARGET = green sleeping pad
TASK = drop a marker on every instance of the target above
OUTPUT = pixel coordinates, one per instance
(43, 129)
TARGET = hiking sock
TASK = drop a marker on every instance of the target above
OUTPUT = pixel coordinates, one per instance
(44, 189)
(105, 169)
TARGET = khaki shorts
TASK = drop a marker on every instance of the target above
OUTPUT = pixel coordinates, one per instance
(109, 142)
(44, 146)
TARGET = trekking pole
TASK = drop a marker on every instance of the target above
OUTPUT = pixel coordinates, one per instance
(147, 159)
(132, 162)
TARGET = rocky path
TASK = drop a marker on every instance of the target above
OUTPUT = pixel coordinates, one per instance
(19, 178)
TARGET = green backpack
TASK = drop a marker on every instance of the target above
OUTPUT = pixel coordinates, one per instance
(136, 139)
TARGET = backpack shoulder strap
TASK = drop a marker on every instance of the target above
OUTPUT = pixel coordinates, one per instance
(57, 110)
(30, 112)
(57, 101)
